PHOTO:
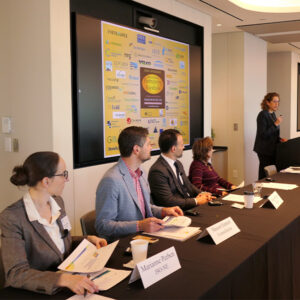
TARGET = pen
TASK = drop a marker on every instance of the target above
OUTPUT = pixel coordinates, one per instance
(85, 290)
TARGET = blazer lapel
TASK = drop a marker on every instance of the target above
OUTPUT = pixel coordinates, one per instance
(146, 194)
(175, 179)
(129, 183)
(41, 231)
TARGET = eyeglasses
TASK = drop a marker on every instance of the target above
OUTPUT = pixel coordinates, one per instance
(64, 174)
(276, 101)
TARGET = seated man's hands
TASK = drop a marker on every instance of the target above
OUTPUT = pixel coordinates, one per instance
(98, 242)
(150, 224)
(203, 198)
(171, 211)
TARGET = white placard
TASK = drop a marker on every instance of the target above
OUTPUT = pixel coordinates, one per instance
(156, 267)
(274, 199)
(221, 231)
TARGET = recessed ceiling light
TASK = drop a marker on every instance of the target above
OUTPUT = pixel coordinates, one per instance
(269, 6)
(219, 25)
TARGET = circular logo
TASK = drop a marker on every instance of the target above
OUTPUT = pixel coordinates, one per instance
(152, 84)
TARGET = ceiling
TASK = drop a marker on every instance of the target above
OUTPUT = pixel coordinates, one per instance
(280, 30)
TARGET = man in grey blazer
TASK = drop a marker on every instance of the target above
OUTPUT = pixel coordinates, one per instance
(123, 196)
(168, 182)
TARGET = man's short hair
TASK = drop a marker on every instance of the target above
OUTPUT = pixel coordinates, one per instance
(131, 136)
(168, 139)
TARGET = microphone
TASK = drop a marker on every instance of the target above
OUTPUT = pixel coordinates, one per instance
(65, 233)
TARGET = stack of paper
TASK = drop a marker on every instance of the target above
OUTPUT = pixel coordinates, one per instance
(279, 186)
(176, 233)
(295, 170)
(87, 259)
(239, 198)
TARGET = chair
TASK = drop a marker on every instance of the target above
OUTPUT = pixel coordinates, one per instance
(270, 170)
(87, 222)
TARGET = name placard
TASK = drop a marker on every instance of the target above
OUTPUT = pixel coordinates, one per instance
(221, 231)
(156, 267)
(274, 201)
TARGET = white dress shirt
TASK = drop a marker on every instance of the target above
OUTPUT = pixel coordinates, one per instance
(52, 228)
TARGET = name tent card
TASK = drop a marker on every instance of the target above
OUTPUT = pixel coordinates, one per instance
(220, 231)
(274, 201)
(156, 267)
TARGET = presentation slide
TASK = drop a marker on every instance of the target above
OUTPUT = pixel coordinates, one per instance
(145, 83)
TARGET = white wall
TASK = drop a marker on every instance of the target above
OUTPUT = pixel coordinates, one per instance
(238, 84)
(37, 91)
(282, 78)
(255, 82)
(25, 84)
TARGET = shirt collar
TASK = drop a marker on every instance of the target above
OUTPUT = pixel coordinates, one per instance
(169, 160)
(32, 212)
(137, 173)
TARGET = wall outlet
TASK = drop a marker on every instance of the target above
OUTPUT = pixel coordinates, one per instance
(235, 173)
(15, 145)
(235, 126)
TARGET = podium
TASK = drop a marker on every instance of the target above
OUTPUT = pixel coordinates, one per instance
(288, 154)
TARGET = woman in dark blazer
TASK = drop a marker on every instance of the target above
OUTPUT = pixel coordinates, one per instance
(202, 173)
(268, 132)
(36, 230)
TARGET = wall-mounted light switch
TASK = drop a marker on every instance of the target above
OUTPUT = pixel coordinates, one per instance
(6, 125)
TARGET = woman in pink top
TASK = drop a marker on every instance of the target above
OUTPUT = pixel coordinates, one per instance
(202, 173)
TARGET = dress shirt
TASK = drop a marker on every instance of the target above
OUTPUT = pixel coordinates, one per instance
(51, 228)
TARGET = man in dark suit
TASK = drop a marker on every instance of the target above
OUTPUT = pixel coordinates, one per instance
(168, 182)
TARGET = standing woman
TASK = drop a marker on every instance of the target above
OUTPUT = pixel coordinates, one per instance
(268, 132)
(35, 230)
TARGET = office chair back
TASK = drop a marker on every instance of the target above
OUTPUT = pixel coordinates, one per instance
(87, 222)
(270, 170)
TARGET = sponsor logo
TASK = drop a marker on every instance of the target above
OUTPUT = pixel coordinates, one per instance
(183, 87)
(118, 115)
(142, 55)
(128, 120)
(171, 82)
(158, 64)
(111, 87)
(130, 84)
(180, 49)
(131, 100)
(117, 33)
(153, 121)
(169, 60)
(172, 70)
(169, 76)
(128, 55)
(133, 65)
(184, 123)
(110, 53)
(111, 139)
(113, 148)
(108, 66)
(133, 77)
(112, 124)
(131, 108)
(181, 64)
(120, 64)
(144, 62)
(155, 52)
(164, 122)
(155, 130)
(182, 92)
(179, 56)
(113, 43)
(129, 93)
(113, 79)
(173, 122)
(120, 74)
(141, 39)
(166, 51)
(115, 107)
(173, 88)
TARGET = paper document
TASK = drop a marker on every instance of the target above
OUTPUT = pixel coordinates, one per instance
(176, 233)
(88, 297)
(109, 278)
(239, 198)
(180, 221)
(86, 258)
(295, 170)
(279, 186)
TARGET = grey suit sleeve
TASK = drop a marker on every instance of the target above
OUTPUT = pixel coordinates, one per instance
(107, 223)
(162, 194)
(18, 272)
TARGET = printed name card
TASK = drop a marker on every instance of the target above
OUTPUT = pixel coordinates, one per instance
(156, 267)
(220, 231)
(274, 201)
